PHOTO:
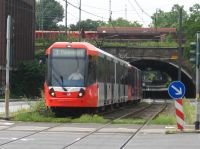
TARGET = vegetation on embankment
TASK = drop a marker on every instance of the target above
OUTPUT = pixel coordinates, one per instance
(39, 113)
(168, 117)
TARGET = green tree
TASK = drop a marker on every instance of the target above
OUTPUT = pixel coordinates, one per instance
(191, 26)
(192, 23)
(87, 25)
(167, 19)
(48, 14)
(123, 23)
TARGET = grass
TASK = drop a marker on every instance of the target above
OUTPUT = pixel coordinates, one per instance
(39, 113)
(89, 119)
(170, 118)
(189, 111)
(34, 116)
(164, 120)
(27, 116)
(113, 43)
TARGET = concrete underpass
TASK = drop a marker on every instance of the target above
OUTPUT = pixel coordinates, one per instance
(171, 69)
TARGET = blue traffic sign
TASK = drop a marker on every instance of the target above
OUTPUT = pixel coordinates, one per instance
(176, 90)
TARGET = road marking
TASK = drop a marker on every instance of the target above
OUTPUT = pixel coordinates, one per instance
(8, 124)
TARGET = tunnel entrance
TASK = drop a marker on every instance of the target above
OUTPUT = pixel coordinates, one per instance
(158, 74)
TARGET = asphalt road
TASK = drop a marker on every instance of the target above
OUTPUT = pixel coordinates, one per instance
(56, 136)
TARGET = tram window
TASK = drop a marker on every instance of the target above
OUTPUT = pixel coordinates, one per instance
(112, 73)
(126, 75)
(92, 69)
(46, 69)
(118, 73)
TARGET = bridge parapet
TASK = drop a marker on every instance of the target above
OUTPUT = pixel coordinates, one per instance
(166, 54)
(137, 53)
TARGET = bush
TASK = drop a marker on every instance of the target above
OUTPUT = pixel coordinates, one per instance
(28, 79)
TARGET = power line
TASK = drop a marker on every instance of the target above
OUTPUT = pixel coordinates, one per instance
(85, 10)
(136, 11)
(94, 7)
(142, 9)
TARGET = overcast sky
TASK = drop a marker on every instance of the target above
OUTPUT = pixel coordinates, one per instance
(134, 13)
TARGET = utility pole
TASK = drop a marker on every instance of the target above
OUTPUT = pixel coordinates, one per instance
(7, 89)
(42, 14)
(156, 17)
(80, 21)
(66, 5)
(197, 82)
(110, 12)
(126, 12)
(180, 43)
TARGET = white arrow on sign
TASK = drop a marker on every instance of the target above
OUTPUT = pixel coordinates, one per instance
(178, 91)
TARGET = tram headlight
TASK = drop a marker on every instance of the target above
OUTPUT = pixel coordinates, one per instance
(81, 93)
(52, 92)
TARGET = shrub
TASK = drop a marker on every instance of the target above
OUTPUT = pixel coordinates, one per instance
(28, 79)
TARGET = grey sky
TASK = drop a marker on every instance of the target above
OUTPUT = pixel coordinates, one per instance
(134, 13)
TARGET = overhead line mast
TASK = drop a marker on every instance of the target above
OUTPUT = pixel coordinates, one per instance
(66, 16)
(110, 11)
(80, 21)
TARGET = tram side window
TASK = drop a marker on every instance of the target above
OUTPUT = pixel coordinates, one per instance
(131, 77)
(108, 70)
(118, 73)
(92, 70)
(100, 70)
(121, 74)
(126, 75)
(112, 71)
(47, 71)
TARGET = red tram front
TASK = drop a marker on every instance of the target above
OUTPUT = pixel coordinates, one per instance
(81, 75)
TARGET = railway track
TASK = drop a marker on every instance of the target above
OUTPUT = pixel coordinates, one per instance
(118, 114)
(152, 116)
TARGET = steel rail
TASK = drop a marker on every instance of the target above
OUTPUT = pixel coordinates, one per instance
(143, 126)
(107, 124)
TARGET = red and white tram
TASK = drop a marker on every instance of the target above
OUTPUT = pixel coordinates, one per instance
(79, 75)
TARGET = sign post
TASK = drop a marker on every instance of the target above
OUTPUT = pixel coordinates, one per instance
(176, 91)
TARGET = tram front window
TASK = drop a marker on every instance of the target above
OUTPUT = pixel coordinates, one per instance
(67, 67)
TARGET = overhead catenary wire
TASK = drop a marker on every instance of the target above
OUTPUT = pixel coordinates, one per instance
(136, 11)
(142, 9)
(84, 10)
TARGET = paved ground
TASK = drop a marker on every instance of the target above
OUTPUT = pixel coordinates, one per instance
(56, 136)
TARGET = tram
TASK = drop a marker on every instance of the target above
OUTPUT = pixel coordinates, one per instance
(79, 75)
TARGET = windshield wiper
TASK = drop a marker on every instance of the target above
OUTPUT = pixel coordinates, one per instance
(61, 77)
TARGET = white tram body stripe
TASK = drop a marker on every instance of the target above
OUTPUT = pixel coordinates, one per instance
(101, 94)
(69, 89)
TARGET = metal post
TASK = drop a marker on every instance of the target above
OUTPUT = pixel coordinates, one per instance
(7, 90)
(197, 83)
(126, 12)
(110, 12)
(66, 16)
(180, 122)
(80, 21)
(180, 44)
(42, 15)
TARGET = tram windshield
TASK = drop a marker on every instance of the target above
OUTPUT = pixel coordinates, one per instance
(67, 67)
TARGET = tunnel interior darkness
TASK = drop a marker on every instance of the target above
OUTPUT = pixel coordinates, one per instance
(172, 71)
